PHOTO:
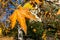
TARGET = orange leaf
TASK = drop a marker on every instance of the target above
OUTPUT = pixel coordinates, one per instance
(22, 23)
(13, 19)
(38, 1)
(20, 15)
(58, 12)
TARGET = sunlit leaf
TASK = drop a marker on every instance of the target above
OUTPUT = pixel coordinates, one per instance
(28, 5)
(13, 18)
(20, 15)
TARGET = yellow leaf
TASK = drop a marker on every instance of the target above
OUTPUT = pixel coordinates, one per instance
(0, 31)
(28, 5)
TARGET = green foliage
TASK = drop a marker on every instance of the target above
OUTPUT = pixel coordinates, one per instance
(38, 26)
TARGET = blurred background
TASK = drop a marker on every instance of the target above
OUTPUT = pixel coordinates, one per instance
(47, 26)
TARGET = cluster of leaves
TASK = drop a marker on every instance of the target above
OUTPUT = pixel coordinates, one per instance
(50, 21)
